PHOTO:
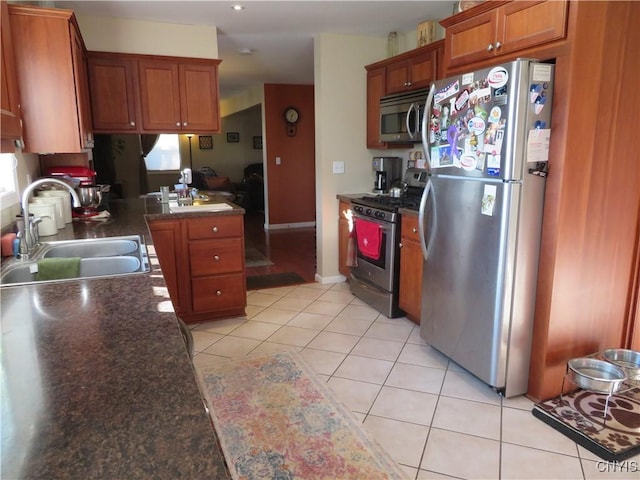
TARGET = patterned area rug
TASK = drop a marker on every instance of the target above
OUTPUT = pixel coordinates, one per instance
(277, 420)
(580, 416)
(254, 258)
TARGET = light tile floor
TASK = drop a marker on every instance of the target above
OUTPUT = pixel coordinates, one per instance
(435, 419)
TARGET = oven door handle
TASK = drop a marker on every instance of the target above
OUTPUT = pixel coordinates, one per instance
(383, 225)
(422, 227)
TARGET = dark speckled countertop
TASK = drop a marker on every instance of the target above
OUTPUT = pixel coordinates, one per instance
(96, 380)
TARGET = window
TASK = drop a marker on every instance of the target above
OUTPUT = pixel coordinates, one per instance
(8, 180)
(165, 154)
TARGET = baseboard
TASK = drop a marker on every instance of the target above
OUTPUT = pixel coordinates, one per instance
(334, 279)
(286, 226)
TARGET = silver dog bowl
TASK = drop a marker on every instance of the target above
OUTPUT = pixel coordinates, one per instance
(596, 375)
(628, 360)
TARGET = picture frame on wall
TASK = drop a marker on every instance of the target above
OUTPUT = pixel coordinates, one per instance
(233, 137)
(257, 143)
(205, 142)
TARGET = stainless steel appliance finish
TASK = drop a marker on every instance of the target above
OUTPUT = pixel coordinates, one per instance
(485, 136)
(400, 116)
(375, 281)
(388, 171)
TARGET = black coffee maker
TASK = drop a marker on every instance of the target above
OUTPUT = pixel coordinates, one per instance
(388, 170)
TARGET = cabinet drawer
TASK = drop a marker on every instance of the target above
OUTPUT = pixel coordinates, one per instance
(409, 227)
(222, 292)
(211, 257)
(215, 226)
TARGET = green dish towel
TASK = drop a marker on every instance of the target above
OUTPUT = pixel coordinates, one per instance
(58, 268)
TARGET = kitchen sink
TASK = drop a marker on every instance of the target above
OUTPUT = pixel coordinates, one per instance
(93, 247)
(99, 257)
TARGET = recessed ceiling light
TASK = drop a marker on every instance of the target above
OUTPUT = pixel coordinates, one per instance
(237, 7)
(245, 51)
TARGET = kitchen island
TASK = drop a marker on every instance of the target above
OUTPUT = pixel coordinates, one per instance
(96, 380)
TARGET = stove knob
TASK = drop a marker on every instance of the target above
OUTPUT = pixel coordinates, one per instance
(368, 211)
(381, 215)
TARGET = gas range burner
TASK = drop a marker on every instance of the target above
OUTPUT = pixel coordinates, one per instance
(390, 203)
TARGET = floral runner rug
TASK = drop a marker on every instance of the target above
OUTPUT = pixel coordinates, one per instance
(277, 420)
(580, 415)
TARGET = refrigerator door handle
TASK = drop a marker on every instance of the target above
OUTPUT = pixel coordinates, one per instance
(424, 245)
(411, 133)
(425, 124)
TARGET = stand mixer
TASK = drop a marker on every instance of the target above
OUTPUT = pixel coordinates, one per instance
(84, 183)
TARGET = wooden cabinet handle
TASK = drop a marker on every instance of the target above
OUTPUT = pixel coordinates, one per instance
(218, 292)
(214, 229)
(216, 258)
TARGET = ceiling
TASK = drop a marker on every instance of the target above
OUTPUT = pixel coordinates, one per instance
(279, 33)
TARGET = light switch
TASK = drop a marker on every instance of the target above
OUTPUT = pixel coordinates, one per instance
(338, 167)
(278, 160)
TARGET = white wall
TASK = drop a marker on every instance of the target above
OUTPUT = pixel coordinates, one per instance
(341, 111)
(110, 34)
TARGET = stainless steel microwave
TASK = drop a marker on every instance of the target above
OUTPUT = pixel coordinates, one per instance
(400, 116)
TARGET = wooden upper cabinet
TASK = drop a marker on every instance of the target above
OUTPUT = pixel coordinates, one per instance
(179, 97)
(10, 124)
(412, 73)
(199, 97)
(113, 82)
(51, 71)
(376, 88)
(486, 31)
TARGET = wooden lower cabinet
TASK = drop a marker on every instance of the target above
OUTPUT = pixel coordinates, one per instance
(202, 260)
(343, 238)
(411, 260)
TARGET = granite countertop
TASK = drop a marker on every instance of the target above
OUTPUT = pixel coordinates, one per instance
(97, 381)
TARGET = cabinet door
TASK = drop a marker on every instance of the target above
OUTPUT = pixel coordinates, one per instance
(411, 74)
(411, 260)
(81, 89)
(525, 24)
(167, 243)
(199, 98)
(219, 293)
(398, 76)
(113, 93)
(376, 89)
(159, 96)
(471, 40)
(10, 108)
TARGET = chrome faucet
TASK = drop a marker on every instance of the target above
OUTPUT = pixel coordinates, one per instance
(29, 224)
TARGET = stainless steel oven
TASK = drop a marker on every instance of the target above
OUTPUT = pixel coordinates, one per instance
(376, 280)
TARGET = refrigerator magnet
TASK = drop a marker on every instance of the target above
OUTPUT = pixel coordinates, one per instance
(498, 77)
(488, 200)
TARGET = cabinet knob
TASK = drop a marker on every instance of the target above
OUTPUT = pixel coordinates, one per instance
(490, 47)
(216, 258)
(218, 292)
(498, 45)
(184, 124)
(214, 229)
(133, 124)
(177, 124)
(414, 230)
(400, 245)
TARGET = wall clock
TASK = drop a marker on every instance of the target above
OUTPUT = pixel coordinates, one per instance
(291, 117)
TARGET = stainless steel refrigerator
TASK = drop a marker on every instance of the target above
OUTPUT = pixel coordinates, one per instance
(486, 140)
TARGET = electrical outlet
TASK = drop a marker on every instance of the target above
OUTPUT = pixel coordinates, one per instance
(338, 167)
(278, 160)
